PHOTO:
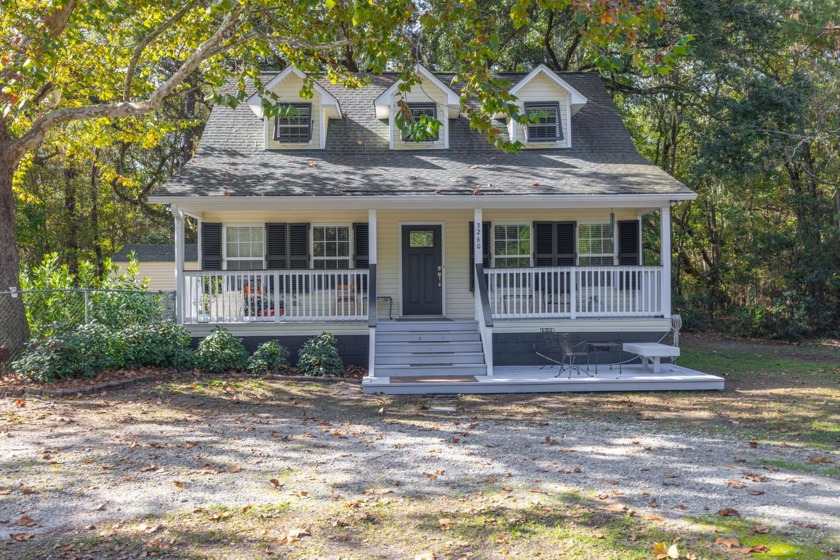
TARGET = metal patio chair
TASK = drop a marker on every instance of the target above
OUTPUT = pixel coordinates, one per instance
(557, 348)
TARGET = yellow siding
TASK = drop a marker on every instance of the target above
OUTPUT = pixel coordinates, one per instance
(161, 275)
(543, 89)
(425, 92)
(289, 92)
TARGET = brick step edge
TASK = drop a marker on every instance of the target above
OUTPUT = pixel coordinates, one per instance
(119, 384)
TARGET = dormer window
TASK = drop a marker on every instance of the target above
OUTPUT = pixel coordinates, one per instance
(296, 127)
(548, 128)
(418, 110)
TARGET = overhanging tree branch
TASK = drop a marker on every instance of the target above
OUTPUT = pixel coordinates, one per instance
(38, 131)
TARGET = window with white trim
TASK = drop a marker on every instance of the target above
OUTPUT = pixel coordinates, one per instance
(596, 245)
(418, 110)
(331, 247)
(244, 247)
(548, 128)
(296, 126)
(511, 245)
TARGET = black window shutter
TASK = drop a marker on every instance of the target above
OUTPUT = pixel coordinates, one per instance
(362, 250)
(277, 256)
(211, 246)
(554, 243)
(544, 244)
(485, 248)
(628, 242)
(565, 249)
(299, 252)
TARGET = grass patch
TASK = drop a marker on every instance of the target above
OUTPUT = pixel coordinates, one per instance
(811, 468)
(782, 546)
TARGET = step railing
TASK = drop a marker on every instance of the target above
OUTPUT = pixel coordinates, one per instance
(572, 292)
(484, 316)
(228, 296)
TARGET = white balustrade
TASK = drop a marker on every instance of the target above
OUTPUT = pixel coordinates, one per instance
(246, 296)
(572, 292)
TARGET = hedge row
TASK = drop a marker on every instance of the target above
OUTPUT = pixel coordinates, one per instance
(86, 350)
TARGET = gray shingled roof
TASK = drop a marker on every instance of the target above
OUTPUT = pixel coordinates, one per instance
(357, 161)
(147, 252)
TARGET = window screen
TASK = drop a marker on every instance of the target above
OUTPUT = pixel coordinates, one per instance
(548, 127)
(297, 128)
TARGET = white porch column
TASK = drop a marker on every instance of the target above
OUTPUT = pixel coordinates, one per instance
(198, 222)
(372, 236)
(665, 257)
(179, 264)
(372, 251)
(478, 252)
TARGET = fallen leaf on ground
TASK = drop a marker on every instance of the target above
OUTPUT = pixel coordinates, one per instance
(100, 508)
(728, 512)
(728, 542)
(219, 516)
(20, 402)
(755, 492)
(761, 529)
(21, 536)
(276, 483)
(804, 525)
(757, 549)
(445, 522)
(756, 477)
(26, 521)
(179, 484)
(425, 556)
(148, 468)
(818, 460)
(235, 469)
(737, 484)
(616, 508)
(4, 491)
(27, 491)
(297, 534)
(662, 552)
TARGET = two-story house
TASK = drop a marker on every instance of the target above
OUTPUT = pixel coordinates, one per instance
(434, 260)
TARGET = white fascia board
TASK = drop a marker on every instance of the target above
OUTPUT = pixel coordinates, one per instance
(329, 104)
(576, 99)
(201, 204)
(385, 100)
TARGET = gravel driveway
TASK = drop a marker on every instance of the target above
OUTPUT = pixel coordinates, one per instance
(68, 464)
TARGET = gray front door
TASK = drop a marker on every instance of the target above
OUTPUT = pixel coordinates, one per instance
(422, 270)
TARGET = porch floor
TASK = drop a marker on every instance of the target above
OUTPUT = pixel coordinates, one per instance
(533, 379)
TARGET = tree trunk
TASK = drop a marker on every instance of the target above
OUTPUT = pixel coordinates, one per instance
(71, 255)
(14, 330)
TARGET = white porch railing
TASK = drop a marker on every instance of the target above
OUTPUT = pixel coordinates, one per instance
(275, 296)
(572, 292)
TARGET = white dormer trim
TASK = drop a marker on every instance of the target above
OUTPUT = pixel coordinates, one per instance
(329, 106)
(328, 101)
(576, 99)
(385, 101)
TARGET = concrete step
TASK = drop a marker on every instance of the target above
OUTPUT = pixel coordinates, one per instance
(386, 348)
(415, 358)
(425, 326)
(424, 370)
(410, 337)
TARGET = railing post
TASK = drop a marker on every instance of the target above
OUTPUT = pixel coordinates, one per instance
(573, 280)
(179, 264)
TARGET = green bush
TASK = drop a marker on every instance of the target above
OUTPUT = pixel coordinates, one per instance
(81, 352)
(220, 352)
(270, 357)
(319, 356)
(159, 345)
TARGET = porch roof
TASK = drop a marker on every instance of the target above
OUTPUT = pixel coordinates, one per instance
(357, 160)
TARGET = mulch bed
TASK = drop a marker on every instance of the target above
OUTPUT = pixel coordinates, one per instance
(16, 386)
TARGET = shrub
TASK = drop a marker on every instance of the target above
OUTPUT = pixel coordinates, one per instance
(81, 352)
(220, 352)
(159, 345)
(270, 357)
(319, 356)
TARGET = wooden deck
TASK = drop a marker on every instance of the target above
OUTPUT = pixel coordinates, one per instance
(533, 379)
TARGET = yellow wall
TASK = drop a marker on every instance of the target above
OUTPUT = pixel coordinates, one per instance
(289, 92)
(543, 89)
(161, 275)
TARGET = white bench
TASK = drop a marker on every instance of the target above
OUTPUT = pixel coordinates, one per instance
(651, 351)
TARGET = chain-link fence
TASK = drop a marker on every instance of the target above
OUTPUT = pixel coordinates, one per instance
(51, 310)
